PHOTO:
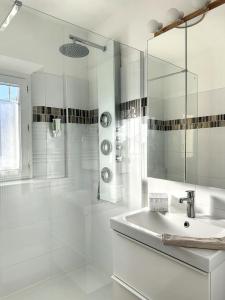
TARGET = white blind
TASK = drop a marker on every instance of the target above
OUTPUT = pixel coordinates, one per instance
(9, 128)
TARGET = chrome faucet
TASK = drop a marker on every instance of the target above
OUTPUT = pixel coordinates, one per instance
(190, 203)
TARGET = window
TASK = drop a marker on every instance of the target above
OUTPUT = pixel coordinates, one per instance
(14, 129)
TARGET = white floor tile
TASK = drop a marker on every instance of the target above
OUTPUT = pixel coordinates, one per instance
(89, 279)
(83, 284)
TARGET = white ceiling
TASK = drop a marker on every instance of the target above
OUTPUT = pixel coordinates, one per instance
(92, 13)
(85, 13)
(123, 20)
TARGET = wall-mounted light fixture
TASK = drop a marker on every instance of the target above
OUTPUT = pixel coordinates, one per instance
(198, 4)
(154, 26)
(173, 15)
(176, 18)
(12, 13)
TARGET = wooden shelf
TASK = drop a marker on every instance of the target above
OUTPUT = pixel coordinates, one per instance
(211, 5)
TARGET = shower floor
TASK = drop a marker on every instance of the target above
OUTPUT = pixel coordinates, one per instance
(83, 284)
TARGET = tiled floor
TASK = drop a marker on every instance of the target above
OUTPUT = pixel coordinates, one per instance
(83, 284)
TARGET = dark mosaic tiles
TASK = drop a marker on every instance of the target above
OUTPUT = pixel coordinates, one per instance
(93, 115)
(189, 123)
(130, 109)
(133, 109)
(47, 114)
(79, 116)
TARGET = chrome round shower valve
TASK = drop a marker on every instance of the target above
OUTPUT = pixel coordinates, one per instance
(105, 119)
(106, 147)
(106, 175)
(119, 146)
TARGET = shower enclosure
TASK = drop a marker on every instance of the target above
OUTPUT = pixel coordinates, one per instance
(71, 103)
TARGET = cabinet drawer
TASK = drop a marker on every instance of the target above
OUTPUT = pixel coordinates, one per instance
(157, 276)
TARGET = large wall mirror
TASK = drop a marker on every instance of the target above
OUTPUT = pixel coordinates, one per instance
(186, 91)
(169, 106)
(206, 58)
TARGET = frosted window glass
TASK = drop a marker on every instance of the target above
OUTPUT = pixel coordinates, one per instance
(9, 130)
(4, 92)
(14, 93)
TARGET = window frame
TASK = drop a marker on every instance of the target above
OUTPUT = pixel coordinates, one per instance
(25, 164)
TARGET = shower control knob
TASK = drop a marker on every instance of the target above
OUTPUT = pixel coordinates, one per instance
(105, 119)
(119, 158)
(106, 147)
(106, 175)
(119, 147)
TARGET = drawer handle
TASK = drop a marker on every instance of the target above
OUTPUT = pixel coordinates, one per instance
(129, 288)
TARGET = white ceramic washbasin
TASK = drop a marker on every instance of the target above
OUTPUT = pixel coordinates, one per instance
(147, 227)
(174, 224)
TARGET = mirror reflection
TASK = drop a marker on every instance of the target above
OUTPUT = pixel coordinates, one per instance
(206, 59)
(186, 87)
(167, 98)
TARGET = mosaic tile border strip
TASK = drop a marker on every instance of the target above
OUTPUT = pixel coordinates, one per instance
(129, 109)
(133, 108)
(47, 114)
(77, 116)
(189, 123)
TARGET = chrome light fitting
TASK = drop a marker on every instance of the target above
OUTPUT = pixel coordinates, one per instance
(12, 13)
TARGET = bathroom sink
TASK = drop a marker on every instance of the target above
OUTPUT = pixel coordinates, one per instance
(176, 224)
(147, 227)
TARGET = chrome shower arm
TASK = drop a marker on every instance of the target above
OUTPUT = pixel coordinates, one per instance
(79, 40)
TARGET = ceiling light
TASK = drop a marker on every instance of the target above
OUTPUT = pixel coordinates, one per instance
(154, 26)
(173, 15)
(14, 10)
(198, 4)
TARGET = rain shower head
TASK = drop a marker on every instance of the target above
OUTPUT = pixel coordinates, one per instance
(75, 49)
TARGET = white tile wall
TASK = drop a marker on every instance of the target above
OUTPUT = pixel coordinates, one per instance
(93, 88)
(90, 148)
(39, 148)
(131, 168)
(47, 90)
(56, 159)
(78, 149)
(76, 92)
(130, 80)
(25, 235)
(211, 102)
(38, 89)
(54, 90)
(208, 200)
(19, 210)
(48, 151)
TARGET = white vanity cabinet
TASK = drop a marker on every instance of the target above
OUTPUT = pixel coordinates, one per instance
(140, 272)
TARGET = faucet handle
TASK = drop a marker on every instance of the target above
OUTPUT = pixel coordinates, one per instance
(190, 193)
